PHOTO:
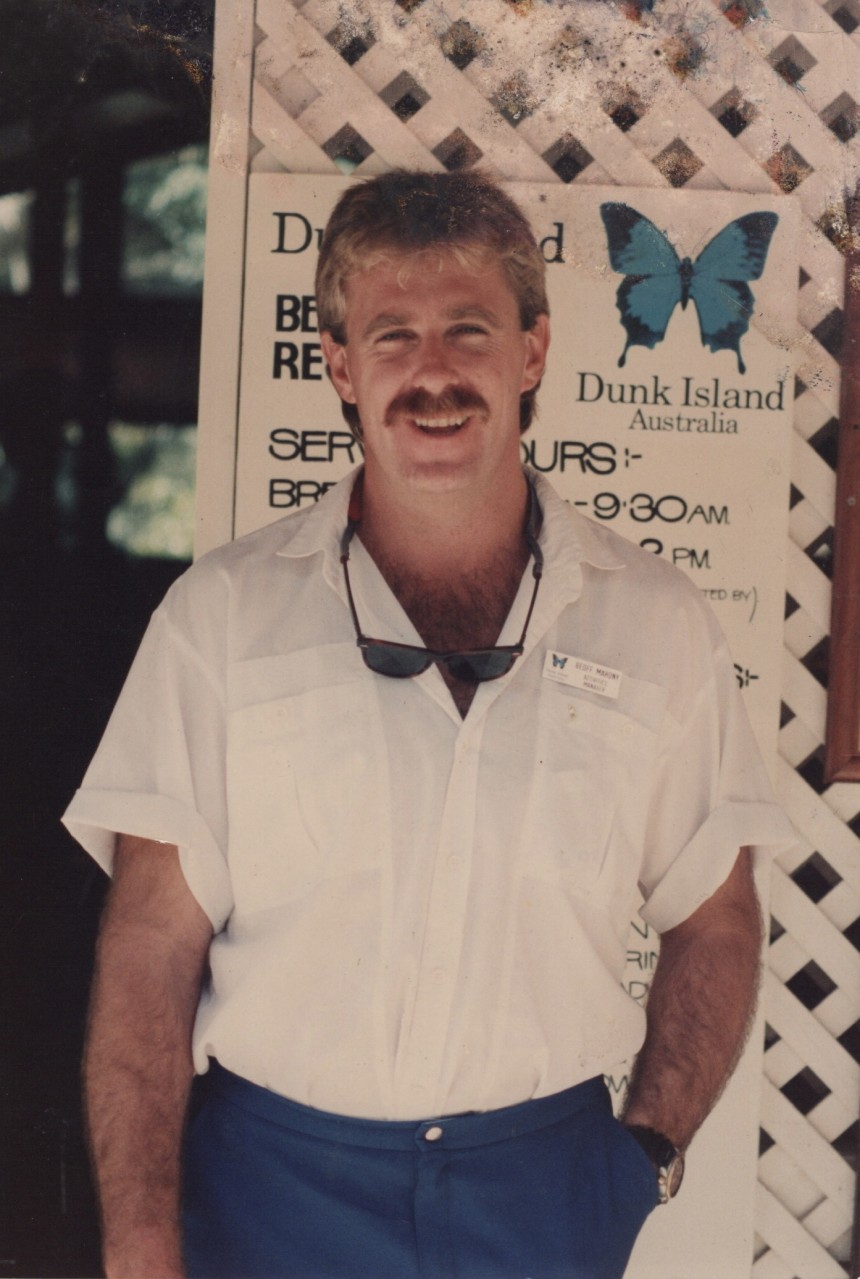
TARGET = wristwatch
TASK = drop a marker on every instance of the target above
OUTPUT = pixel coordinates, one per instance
(667, 1159)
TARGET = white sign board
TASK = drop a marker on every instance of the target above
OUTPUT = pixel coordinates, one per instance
(677, 449)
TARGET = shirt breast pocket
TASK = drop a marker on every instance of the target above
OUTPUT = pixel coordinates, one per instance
(305, 783)
(591, 785)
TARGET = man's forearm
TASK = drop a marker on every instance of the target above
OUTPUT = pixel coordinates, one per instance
(138, 1072)
(700, 1009)
(138, 1066)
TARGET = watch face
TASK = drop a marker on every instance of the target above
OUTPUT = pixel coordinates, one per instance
(670, 1176)
(666, 1158)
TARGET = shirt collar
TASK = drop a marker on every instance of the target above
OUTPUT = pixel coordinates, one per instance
(568, 539)
(320, 528)
(320, 525)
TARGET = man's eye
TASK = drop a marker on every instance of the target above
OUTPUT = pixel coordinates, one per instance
(396, 335)
(470, 330)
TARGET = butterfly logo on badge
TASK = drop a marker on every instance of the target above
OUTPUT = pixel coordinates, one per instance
(656, 279)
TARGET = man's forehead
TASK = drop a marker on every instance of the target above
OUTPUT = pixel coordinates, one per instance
(397, 283)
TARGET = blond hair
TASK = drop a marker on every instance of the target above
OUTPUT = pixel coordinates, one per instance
(465, 214)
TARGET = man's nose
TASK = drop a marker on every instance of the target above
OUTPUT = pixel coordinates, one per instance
(435, 365)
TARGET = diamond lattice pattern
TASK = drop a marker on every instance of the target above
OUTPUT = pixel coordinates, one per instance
(697, 94)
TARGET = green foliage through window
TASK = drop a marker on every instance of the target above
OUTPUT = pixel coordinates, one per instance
(156, 514)
(14, 227)
(165, 214)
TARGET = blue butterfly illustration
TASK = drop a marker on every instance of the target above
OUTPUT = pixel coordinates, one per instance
(656, 279)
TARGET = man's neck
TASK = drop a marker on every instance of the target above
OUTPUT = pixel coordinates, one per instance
(447, 535)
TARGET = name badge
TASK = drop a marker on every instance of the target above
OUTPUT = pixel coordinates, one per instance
(575, 672)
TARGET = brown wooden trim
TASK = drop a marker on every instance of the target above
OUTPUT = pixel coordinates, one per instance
(855, 1241)
(842, 760)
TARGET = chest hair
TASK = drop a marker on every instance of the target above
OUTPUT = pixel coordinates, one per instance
(464, 612)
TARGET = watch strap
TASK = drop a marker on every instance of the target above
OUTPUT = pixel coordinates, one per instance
(667, 1159)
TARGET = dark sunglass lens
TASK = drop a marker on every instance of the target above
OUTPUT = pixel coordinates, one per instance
(476, 667)
(397, 663)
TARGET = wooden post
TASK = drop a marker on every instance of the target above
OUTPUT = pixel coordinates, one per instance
(842, 761)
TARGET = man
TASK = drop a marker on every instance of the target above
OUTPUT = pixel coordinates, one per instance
(390, 889)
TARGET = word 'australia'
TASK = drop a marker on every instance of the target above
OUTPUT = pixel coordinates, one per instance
(706, 395)
(714, 424)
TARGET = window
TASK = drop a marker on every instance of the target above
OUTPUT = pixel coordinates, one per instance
(165, 211)
(155, 516)
(14, 229)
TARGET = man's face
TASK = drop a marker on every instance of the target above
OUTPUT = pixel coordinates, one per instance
(435, 361)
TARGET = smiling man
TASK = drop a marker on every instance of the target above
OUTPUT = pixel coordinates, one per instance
(386, 783)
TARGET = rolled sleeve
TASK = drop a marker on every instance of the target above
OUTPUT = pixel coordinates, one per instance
(712, 798)
(706, 861)
(159, 770)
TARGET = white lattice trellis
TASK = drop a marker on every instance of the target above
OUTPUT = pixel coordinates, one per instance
(696, 93)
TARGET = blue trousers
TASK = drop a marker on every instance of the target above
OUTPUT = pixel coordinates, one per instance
(554, 1188)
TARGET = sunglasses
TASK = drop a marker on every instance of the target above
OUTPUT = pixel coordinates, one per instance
(404, 661)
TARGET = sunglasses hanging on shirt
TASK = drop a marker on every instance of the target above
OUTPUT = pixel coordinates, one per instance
(404, 661)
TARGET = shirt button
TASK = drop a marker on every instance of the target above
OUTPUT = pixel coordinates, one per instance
(455, 862)
(439, 974)
(434, 1133)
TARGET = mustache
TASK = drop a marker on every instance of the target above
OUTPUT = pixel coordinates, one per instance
(420, 403)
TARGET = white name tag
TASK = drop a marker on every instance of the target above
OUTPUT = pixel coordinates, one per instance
(575, 672)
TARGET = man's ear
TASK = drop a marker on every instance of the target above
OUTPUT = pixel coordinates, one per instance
(334, 354)
(537, 345)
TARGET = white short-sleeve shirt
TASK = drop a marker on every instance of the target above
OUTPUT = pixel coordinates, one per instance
(417, 913)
